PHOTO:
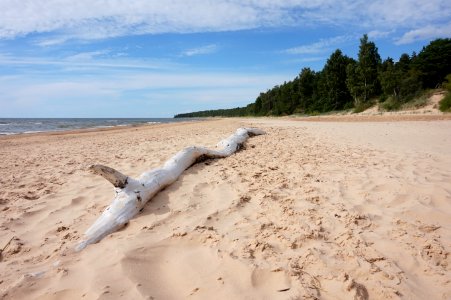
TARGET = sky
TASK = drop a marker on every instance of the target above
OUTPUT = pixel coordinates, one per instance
(155, 58)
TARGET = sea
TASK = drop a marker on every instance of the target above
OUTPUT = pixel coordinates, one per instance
(9, 126)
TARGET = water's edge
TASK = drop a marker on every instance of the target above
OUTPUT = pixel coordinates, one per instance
(10, 126)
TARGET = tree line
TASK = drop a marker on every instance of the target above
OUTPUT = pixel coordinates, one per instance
(346, 83)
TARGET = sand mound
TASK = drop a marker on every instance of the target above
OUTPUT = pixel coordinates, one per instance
(429, 108)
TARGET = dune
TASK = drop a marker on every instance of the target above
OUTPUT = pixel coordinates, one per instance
(311, 210)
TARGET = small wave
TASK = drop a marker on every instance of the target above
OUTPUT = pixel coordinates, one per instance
(153, 122)
(8, 133)
(33, 131)
(37, 123)
(4, 124)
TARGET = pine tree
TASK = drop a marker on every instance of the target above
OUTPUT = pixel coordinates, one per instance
(332, 85)
(307, 86)
(369, 61)
(354, 82)
(390, 78)
(434, 62)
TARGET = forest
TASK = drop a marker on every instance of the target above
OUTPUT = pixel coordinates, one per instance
(346, 83)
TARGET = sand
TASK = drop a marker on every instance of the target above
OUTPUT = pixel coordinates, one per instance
(328, 210)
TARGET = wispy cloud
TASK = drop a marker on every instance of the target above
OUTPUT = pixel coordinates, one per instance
(53, 41)
(427, 32)
(375, 34)
(92, 60)
(405, 13)
(88, 56)
(96, 19)
(208, 49)
(99, 19)
(323, 45)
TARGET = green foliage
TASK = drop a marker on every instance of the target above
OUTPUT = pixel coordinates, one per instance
(390, 78)
(345, 83)
(332, 84)
(447, 83)
(369, 61)
(391, 104)
(354, 82)
(434, 62)
(403, 63)
(362, 106)
(420, 100)
(307, 85)
(445, 103)
(400, 82)
(362, 76)
(314, 113)
(363, 82)
(410, 86)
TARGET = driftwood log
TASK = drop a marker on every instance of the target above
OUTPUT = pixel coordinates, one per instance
(132, 194)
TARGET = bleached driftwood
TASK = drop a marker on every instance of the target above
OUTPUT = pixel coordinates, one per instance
(132, 194)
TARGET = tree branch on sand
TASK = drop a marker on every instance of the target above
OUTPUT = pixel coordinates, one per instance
(132, 194)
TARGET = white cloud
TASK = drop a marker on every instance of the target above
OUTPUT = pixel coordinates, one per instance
(407, 13)
(208, 49)
(50, 41)
(427, 32)
(323, 45)
(98, 19)
(375, 34)
(87, 56)
(93, 19)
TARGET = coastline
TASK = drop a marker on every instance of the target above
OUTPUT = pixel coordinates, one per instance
(14, 126)
(94, 129)
(312, 209)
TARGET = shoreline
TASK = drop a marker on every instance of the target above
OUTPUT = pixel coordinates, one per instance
(28, 126)
(118, 128)
(392, 117)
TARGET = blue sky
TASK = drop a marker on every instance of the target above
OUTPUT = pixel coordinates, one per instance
(65, 58)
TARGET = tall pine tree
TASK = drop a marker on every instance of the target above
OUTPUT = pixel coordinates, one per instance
(364, 82)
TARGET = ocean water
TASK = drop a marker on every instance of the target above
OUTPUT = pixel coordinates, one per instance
(28, 125)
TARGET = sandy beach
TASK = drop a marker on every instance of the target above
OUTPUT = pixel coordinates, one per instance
(311, 210)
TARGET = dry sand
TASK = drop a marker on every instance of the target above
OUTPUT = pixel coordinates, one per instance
(311, 210)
